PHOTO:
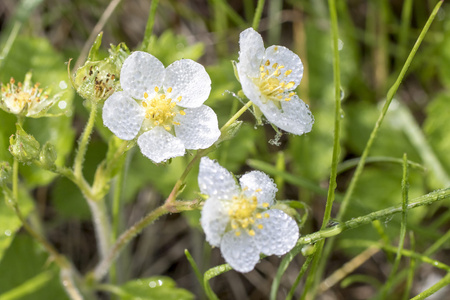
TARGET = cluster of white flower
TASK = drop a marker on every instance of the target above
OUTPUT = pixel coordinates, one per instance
(163, 108)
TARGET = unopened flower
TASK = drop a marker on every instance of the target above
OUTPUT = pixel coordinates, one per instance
(269, 78)
(163, 107)
(26, 99)
(239, 219)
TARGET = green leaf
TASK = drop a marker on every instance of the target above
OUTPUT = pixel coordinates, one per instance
(9, 222)
(153, 288)
(26, 266)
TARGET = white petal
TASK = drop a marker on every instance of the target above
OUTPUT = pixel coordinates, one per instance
(141, 73)
(251, 53)
(285, 57)
(215, 181)
(251, 91)
(199, 128)
(278, 235)
(214, 221)
(189, 80)
(122, 115)
(159, 145)
(259, 184)
(294, 116)
(240, 252)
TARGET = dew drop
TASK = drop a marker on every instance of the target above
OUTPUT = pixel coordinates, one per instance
(340, 44)
(62, 85)
(160, 283)
(8, 232)
(152, 284)
(62, 104)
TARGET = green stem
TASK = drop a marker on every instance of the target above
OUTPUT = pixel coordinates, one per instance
(405, 187)
(83, 142)
(102, 225)
(390, 95)
(258, 13)
(299, 277)
(439, 285)
(103, 266)
(236, 116)
(311, 281)
(149, 27)
(405, 252)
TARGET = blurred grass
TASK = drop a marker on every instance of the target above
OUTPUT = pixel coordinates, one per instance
(375, 37)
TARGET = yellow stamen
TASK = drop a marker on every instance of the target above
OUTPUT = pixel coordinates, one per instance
(260, 226)
(265, 205)
(169, 90)
(145, 95)
(182, 113)
(238, 233)
(156, 89)
(251, 232)
(266, 215)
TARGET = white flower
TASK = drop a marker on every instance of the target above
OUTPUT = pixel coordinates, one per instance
(239, 219)
(164, 107)
(26, 98)
(269, 78)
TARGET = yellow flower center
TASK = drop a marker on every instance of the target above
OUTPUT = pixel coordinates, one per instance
(17, 97)
(271, 83)
(243, 213)
(161, 110)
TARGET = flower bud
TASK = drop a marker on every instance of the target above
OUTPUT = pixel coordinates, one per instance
(48, 155)
(97, 79)
(5, 173)
(23, 146)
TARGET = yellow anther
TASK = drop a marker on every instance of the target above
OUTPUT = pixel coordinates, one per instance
(261, 68)
(258, 216)
(179, 98)
(289, 85)
(251, 232)
(234, 226)
(275, 48)
(169, 90)
(237, 233)
(287, 72)
(280, 97)
(163, 96)
(166, 127)
(275, 65)
(265, 205)
(245, 188)
(258, 190)
(266, 215)
(144, 104)
(182, 113)
(267, 63)
(287, 99)
(260, 226)
(291, 94)
(176, 123)
(156, 89)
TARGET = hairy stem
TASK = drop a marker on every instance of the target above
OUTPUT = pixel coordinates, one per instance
(83, 142)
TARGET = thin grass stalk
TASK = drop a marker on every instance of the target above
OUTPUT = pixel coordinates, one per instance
(405, 189)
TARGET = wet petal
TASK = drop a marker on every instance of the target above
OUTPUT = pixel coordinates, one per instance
(215, 181)
(159, 145)
(240, 252)
(294, 116)
(122, 115)
(278, 235)
(141, 73)
(198, 128)
(282, 56)
(251, 53)
(259, 184)
(214, 221)
(189, 81)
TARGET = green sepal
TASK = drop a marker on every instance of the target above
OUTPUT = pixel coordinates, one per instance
(5, 173)
(48, 155)
(24, 147)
